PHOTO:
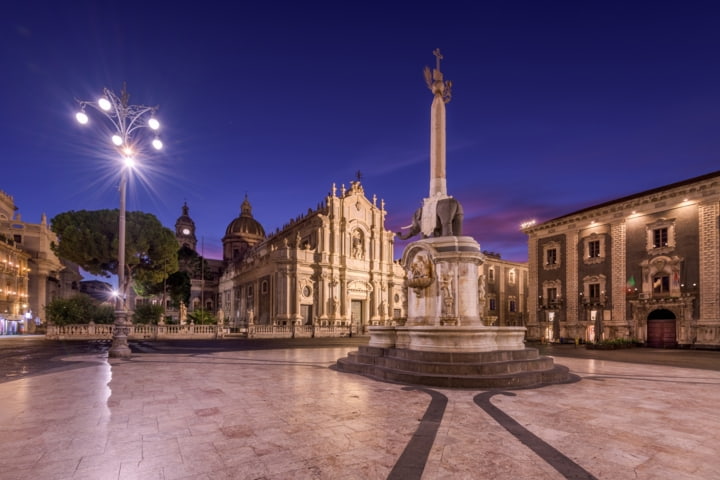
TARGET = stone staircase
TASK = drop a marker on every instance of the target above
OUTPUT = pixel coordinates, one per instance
(505, 369)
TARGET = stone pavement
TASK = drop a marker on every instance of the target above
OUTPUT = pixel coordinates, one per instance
(286, 413)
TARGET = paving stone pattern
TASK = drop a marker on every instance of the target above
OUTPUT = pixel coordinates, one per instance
(286, 413)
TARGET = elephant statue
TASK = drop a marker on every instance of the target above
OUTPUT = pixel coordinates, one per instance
(449, 217)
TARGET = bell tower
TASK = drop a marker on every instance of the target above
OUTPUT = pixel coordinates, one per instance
(185, 229)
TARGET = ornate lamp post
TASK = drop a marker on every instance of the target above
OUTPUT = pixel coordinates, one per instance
(127, 121)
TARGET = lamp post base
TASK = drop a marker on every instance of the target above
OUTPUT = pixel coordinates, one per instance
(120, 348)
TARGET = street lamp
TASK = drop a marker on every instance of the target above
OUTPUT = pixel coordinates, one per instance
(127, 122)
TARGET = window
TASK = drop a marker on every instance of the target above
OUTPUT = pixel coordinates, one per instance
(552, 294)
(593, 289)
(513, 307)
(661, 284)
(491, 304)
(594, 250)
(264, 287)
(17, 238)
(491, 274)
(511, 277)
(551, 256)
(660, 237)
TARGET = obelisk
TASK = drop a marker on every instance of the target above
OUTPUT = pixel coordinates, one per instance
(441, 96)
(438, 176)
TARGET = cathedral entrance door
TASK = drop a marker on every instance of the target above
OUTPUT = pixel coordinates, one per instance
(661, 329)
(356, 315)
(306, 313)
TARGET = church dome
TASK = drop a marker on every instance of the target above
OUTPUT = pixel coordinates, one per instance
(245, 224)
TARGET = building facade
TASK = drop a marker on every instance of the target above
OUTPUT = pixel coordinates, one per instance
(643, 267)
(503, 291)
(330, 267)
(46, 276)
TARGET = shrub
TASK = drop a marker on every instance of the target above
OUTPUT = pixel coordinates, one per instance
(148, 313)
(202, 317)
(79, 309)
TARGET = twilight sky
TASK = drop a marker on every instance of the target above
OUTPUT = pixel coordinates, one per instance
(556, 105)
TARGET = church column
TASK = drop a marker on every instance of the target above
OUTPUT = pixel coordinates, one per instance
(322, 296)
(282, 295)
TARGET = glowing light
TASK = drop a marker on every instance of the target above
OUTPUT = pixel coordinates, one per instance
(157, 143)
(528, 224)
(105, 104)
(128, 151)
(153, 123)
(129, 162)
(117, 140)
(81, 117)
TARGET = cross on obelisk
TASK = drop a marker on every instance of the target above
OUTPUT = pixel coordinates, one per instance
(438, 57)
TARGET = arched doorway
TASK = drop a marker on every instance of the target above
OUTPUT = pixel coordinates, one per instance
(661, 330)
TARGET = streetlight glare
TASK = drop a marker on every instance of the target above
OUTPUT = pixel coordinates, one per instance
(81, 118)
(129, 161)
(157, 143)
(117, 140)
(104, 104)
(153, 123)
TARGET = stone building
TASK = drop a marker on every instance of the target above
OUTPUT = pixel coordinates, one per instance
(645, 267)
(503, 291)
(47, 277)
(14, 292)
(332, 266)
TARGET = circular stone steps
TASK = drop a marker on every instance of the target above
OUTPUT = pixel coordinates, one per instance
(497, 369)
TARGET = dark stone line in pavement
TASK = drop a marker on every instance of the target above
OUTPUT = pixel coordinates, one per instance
(561, 463)
(412, 462)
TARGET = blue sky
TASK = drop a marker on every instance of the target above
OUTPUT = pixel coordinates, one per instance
(556, 106)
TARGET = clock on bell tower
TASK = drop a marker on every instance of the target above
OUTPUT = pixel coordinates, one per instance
(185, 229)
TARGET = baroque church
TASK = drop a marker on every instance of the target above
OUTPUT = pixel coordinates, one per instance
(330, 267)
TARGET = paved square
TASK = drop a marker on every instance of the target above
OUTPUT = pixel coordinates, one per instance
(285, 413)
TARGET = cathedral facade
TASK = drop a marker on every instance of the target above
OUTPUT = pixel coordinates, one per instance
(644, 267)
(332, 266)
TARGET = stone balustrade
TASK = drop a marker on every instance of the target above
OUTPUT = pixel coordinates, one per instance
(186, 332)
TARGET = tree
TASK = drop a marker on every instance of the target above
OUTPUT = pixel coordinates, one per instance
(89, 238)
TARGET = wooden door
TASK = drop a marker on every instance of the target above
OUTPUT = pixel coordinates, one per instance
(661, 333)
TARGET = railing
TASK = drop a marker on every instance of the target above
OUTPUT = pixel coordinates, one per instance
(296, 331)
(185, 332)
(137, 332)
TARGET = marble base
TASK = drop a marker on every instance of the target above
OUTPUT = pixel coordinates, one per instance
(448, 339)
